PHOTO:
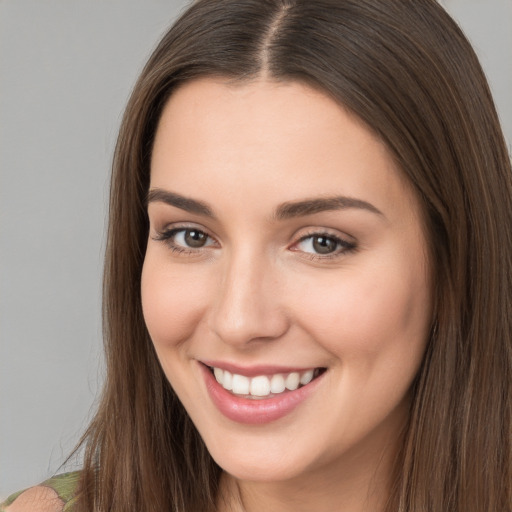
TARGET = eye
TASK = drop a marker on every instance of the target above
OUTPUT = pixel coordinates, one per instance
(319, 244)
(193, 238)
(323, 244)
(185, 239)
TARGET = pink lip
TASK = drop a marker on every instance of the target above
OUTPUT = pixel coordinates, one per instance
(254, 371)
(260, 411)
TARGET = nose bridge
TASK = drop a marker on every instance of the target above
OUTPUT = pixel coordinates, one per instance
(248, 306)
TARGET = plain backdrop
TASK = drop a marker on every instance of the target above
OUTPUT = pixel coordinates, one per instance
(66, 70)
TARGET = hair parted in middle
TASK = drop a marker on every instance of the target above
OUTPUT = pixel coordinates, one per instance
(404, 69)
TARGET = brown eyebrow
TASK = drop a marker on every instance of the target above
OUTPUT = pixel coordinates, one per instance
(181, 202)
(284, 211)
(311, 206)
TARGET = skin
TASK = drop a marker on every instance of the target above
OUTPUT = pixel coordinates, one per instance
(258, 293)
(37, 499)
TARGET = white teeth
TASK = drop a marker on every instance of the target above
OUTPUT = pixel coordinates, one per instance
(277, 383)
(292, 381)
(227, 380)
(241, 384)
(263, 385)
(306, 377)
(219, 375)
(260, 386)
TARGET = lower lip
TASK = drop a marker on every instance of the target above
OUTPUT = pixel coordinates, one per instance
(257, 411)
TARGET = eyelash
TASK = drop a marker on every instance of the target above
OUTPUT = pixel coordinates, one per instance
(342, 246)
(167, 237)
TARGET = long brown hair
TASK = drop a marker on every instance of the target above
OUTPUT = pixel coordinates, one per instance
(406, 70)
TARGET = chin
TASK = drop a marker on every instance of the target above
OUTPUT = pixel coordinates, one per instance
(257, 463)
(260, 470)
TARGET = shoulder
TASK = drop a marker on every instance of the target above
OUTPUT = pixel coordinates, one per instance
(53, 495)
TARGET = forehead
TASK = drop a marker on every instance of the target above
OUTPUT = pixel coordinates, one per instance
(284, 140)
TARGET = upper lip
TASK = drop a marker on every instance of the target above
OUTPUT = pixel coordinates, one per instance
(255, 370)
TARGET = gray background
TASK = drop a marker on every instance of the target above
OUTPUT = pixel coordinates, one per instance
(66, 69)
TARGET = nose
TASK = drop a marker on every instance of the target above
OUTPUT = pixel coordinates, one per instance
(248, 306)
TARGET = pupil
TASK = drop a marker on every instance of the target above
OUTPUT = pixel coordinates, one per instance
(324, 245)
(195, 238)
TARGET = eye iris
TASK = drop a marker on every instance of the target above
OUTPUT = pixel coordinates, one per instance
(324, 244)
(194, 238)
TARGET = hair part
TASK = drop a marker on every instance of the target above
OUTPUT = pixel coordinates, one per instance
(406, 70)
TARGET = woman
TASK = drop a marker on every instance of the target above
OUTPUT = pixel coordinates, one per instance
(308, 274)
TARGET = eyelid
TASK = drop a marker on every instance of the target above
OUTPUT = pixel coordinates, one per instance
(179, 226)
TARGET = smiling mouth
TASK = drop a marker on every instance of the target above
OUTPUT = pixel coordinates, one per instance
(264, 386)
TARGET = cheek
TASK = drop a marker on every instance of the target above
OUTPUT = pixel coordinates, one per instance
(370, 316)
(375, 326)
(171, 303)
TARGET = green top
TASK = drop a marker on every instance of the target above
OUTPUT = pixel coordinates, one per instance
(64, 485)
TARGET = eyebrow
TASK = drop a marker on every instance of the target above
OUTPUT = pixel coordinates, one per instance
(311, 206)
(287, 210)
(179, 201)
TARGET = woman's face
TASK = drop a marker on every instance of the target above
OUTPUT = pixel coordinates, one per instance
(285, 284)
